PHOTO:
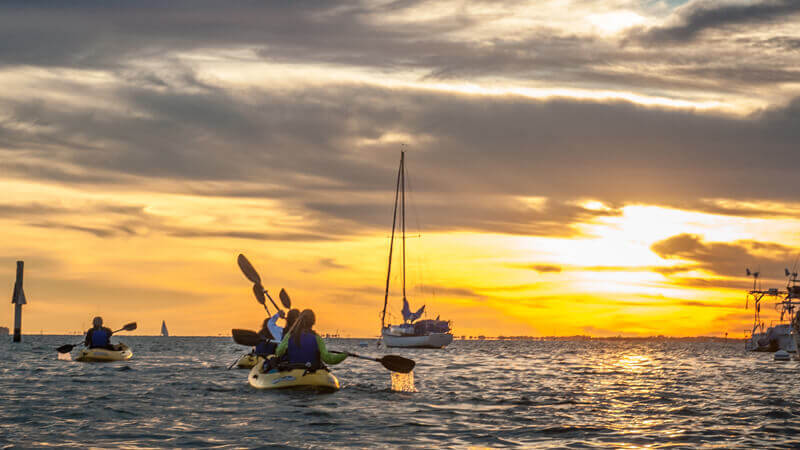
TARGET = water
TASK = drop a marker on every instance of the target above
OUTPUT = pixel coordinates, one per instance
(177, 393)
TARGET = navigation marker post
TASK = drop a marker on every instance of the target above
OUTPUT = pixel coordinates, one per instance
(18, 300)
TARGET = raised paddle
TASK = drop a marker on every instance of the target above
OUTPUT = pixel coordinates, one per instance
(250, 272)
(68, 348)
(394, 363)
(287, 302)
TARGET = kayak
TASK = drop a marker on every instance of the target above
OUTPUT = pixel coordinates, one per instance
(248, 361)
(121, 353)
(319, 380)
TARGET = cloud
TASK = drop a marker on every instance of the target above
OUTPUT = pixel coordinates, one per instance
(545, 268)
(726, 258)
(697, 16)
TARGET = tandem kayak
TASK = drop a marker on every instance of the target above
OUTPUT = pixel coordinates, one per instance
(248, 361)
(121, 353)
(319, 380)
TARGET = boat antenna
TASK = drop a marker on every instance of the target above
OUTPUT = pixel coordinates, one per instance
(391, 243)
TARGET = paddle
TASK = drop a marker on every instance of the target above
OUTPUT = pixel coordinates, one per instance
(394, 363)
(236, 361)
(68, 348)
(250, 272)
(248, 269)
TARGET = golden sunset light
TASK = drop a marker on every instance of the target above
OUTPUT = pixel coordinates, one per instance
(573, 169)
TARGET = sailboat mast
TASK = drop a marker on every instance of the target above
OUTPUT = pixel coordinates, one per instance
(391, 243)
(403, 215)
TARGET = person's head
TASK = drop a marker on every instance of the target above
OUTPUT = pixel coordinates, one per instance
(291, 317)
(97, 321)
(307, 320)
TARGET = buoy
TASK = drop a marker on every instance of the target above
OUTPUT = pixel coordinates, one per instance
(781, 355)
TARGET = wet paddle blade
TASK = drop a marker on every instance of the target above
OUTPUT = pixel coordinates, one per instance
(258, 291)
(397, 363)
(248, 270)
(65, 348)
(287, 302)
(129, 327)
(246, 337)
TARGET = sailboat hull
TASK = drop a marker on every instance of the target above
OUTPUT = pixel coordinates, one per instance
(432, 340)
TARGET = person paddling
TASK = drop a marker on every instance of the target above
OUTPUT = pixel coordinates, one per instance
(303, 346)
(98, 336)
(268, 330)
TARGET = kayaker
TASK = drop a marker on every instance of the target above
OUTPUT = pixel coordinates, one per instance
(265, 347)
(303, 346)
(291, 317)
(272, 325)
(98, 336)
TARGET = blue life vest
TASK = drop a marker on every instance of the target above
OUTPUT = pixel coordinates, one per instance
(100, 338)
(306, 352)
(265, 348)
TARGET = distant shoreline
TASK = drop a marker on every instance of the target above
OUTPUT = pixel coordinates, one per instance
(484, 338)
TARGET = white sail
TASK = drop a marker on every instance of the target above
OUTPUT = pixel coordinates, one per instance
(164, 331)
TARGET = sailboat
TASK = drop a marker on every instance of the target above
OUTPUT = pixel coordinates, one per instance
(411, 333)
(164, 331)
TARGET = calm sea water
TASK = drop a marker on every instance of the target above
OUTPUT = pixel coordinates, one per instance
(176, 392)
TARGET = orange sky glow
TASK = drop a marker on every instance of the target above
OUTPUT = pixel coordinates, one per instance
(576, 168)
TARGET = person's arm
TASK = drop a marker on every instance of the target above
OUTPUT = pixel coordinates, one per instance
(283, 346)
(88, 340)
(272, 324)
(108, 330)
(328, 357)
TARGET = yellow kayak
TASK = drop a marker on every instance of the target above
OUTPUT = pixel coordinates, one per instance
(248, 361)
(121, 353)
(321, 380)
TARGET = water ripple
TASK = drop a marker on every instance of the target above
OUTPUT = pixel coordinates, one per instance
(177, 393)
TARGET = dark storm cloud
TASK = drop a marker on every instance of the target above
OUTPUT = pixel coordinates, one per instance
(726, 258)
(697, 16)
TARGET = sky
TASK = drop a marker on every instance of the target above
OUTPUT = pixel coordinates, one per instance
(575, 167)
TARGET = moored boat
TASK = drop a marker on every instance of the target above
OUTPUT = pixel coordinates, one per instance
(424, 333)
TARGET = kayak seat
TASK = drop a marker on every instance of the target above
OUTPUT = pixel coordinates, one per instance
(271, 366)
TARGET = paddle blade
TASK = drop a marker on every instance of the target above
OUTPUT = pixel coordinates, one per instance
(285, 300)
(248, 270)
(130, 327)
(258, 291)
(397, 363)
(246, 337)
(65, 348)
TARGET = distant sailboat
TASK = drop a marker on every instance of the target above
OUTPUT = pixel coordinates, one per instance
(164, 331)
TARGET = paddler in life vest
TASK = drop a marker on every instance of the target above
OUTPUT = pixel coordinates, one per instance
(303, 346)
(98, 336)
(270, 331)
